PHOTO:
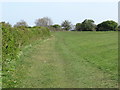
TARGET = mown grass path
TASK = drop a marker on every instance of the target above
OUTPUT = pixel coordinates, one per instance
(68, 60)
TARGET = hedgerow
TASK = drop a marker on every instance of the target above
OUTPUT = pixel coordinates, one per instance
(13, 40)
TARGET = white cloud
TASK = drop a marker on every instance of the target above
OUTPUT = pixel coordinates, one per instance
(59, 0)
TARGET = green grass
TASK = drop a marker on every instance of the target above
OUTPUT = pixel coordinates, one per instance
(71, 60)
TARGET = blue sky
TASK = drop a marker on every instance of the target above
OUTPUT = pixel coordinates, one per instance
(59, 11)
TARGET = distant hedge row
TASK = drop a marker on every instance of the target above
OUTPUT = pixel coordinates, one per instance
(88, 25)
(13, 40)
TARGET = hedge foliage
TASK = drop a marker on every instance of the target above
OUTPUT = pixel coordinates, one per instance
(13, 40)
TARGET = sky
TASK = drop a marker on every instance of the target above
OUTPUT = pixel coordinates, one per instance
(75, 12)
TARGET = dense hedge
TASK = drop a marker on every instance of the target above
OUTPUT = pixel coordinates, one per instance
(13, 40)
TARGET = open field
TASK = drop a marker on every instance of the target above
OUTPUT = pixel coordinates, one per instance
(71, 60)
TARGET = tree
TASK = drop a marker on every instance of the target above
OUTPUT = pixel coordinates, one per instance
(107, 26)
(78, 27)
(21, 23)
(88, 25)
(56, 26)
(66, 25)
(45, 22)
(118, 28)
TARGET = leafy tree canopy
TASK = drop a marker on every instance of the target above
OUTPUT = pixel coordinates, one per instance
(107, 26)
(88, 25)
(66, 25)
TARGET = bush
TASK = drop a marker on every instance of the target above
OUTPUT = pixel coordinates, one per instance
(13, 40)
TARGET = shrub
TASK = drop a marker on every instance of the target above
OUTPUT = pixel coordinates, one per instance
(13, 40)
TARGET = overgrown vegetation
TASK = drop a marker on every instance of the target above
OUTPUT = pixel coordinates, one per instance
(13, 40)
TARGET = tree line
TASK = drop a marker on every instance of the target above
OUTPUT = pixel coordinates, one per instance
(66, 25)
(88, 25)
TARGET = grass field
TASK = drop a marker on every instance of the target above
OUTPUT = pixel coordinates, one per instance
(71, 60)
